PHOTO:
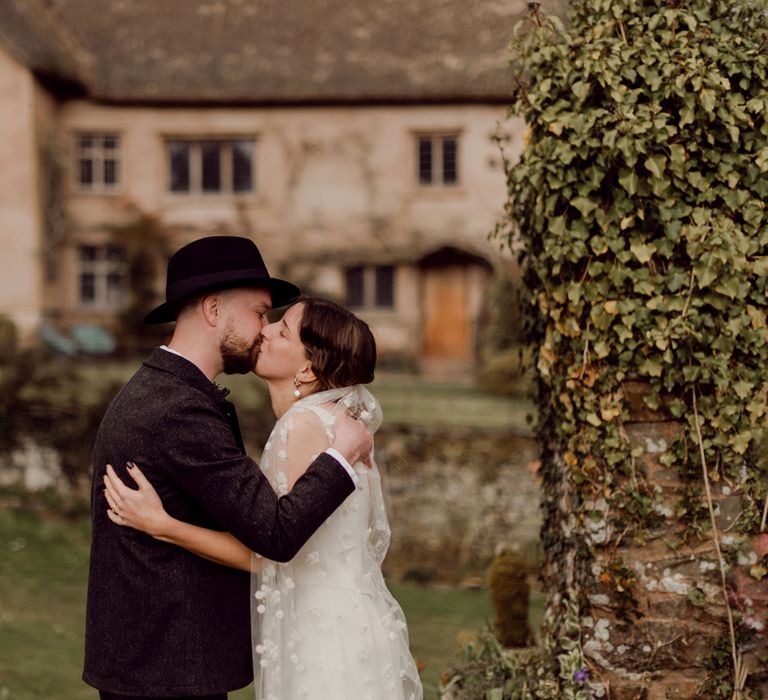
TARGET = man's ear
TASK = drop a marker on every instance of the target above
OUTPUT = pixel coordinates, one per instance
(212, 308)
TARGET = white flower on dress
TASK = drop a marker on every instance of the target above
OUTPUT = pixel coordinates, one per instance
(281, 484)
(313, 558)
(261, 609)
(282, 455)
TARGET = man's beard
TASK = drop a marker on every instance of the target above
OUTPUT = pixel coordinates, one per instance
(238, 358)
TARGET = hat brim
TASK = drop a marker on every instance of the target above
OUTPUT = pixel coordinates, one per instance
(282, 292)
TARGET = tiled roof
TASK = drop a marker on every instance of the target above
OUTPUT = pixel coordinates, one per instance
(268, 51)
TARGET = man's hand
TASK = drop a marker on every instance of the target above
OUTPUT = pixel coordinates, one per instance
(352, 439)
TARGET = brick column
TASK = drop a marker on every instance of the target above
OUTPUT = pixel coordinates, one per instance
(659, 654)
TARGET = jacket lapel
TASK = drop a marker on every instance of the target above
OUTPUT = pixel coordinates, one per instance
(175, 364)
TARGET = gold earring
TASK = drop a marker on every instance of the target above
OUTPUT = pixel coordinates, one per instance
(296, 391)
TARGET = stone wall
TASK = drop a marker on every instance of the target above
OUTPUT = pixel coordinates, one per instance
(453, 497)
(661, 652)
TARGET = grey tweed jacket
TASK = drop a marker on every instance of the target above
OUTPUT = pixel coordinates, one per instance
(161, 621)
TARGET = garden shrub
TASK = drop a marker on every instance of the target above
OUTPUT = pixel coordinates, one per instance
(510, 593)
(43, 399)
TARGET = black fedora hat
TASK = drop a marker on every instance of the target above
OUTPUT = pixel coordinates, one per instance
(217, 262)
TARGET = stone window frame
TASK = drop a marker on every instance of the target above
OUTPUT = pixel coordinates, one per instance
(370, 286)
(105, 267)
(434, 174)
(196, 169)
(101, 157)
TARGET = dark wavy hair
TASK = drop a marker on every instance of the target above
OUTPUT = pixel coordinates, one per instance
(340, 346)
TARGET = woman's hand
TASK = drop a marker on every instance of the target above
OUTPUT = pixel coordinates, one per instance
(139, 508)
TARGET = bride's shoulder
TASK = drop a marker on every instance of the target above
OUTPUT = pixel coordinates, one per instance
(306, 426)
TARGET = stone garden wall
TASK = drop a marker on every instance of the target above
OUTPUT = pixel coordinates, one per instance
(453, 496)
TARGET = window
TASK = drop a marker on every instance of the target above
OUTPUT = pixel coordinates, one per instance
(101, 276)
(98, 163)
(371, 286)
(438, 160)
(210, 166)
(355, 286)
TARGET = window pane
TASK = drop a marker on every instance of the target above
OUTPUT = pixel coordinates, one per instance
(88, 287)
(385, 285)
(449, 161)
(114, 287)
(86, 141)
(88, 253)
(355, 296)
(425, 161)
(178, 153)
(242, 166)
(114, 253)
(110, 172)
(110, 143)
(86, 172)
(211, 167)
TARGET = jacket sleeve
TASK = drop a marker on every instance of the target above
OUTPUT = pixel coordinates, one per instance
(204, 459)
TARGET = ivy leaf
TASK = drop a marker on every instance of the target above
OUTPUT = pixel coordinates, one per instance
(686, 116)
(593, 419)
(741, 442)
(602, 349)
(705, 272)
(628, 180)
(656, 165)
(743, 388)
(729, 287)
(580, 89)
(761, 160)
(557, 225)
(708, 100)
(643, 251)
(584, 205)
(652, 366)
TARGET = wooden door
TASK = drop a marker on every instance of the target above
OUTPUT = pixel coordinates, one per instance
(446, 313)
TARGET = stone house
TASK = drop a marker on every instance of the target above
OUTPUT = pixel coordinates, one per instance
(353, 142)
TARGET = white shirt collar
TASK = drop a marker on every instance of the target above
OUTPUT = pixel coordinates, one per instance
(174, 352)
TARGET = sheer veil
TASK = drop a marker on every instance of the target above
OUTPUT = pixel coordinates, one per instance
(277, 641)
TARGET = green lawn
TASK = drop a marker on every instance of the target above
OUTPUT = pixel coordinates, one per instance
(405, 399)
(42, 598)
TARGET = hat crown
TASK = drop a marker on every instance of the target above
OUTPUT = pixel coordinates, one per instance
(211, 255)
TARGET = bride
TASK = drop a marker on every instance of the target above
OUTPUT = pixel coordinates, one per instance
(324, 624)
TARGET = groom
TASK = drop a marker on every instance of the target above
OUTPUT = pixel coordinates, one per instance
(162, 622)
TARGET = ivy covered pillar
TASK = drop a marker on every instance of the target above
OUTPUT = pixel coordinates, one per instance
(654, 624)
(640, 204)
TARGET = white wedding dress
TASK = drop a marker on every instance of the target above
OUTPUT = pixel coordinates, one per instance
(325, 626)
